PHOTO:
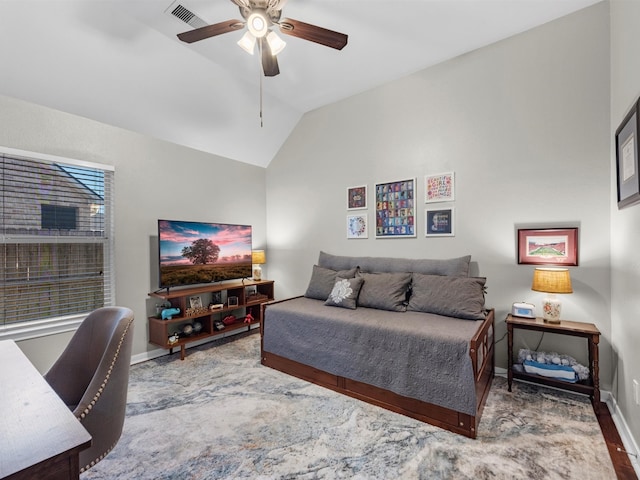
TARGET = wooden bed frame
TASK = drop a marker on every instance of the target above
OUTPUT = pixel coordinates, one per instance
(482, 358)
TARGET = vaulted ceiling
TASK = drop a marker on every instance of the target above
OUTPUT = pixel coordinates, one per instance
(119, 61)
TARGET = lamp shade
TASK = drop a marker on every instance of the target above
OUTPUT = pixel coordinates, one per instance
(551, 280)
(258, 257)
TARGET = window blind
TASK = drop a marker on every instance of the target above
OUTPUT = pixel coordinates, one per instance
(56, 238)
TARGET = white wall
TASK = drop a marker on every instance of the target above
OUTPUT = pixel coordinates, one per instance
(153, 179)
(625, 223)
(524, 123)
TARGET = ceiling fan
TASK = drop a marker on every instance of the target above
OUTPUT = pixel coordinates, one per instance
(260, 16)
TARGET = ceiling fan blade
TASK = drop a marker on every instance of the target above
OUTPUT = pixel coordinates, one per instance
(320, 35)
(210, 31)
(269, 62)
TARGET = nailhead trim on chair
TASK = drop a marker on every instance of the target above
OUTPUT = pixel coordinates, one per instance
(99, 392)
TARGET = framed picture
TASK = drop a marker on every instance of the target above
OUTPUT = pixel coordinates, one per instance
(232, 301)
(357, 226)
(395, 209)
(357, 197)
(439, 222)
(548, 246)
(439, 187)
(195, 302)
(628, 178)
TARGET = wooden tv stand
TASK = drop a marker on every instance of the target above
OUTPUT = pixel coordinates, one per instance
(160, 330)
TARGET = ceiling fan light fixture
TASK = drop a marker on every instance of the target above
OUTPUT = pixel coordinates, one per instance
(247, 43)
(258, 24)
(276, 44)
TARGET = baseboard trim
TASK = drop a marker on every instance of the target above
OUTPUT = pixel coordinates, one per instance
(630, 444)
(159, 352)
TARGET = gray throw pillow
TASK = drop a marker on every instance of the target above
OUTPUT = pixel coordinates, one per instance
(459, 297)
(345, 293)
(449, 266)
(384, 291)
(323, 279)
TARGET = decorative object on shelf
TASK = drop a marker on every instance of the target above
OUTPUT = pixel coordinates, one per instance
(439, 223)
(168, 313)
(249, 318)
(232, 301)
(257, 297)
(187, 330)
(551, 281)
(258, 258)
(197, 327)
(195, 302)
(554, 365)
(218, 325)
(357, 197)
(216, 306)
(192, 312)
(627, 165)
(548, 246)
(439, 187)
(173, 339)
(229, 320)
(395, 209)
(357, 226)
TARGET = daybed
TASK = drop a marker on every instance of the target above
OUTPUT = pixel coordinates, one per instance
(412, 336)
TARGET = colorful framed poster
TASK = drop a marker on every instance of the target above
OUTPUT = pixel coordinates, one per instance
(357, 226)
(439, 222)
(357, 197)
(395, 209)
(439, 187)
(548, 246)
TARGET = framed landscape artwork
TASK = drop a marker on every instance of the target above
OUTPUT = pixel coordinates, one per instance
(439, 222)
(357, 226)
(357, 197)
(548, 246)
(439, 187)
(395, 209)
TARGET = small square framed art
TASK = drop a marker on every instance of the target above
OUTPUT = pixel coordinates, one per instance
(439, 187)
(357, 226)
(439, 222)
(357, 197)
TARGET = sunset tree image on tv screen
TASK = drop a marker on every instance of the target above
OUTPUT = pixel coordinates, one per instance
(196, 252)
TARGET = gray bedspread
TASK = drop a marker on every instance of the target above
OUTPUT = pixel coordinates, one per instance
(418, 355)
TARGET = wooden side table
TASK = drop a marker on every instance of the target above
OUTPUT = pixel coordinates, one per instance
(589, 331)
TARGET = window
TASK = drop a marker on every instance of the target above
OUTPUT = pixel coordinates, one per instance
(56, 242)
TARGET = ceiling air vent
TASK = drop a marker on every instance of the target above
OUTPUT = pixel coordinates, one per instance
(187, 16)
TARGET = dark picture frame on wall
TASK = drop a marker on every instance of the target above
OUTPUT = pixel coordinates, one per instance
(627, 167)
(548, 246)
(357, 197)
(439, 222)
(395, 209)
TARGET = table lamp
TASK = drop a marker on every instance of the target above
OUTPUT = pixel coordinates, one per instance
(551, 281)
(258, 258)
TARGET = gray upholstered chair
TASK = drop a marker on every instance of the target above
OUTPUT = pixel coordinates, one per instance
(92, 375)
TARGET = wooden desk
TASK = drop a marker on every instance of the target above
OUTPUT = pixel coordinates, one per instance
(589, 331)
(39, 436)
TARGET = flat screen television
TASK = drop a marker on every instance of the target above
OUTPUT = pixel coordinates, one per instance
(192, 253)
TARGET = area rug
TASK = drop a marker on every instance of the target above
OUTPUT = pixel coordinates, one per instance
(220, 414)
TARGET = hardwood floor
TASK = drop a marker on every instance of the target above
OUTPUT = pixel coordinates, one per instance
(621, 462)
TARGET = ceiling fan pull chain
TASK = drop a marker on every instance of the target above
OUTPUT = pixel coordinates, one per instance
(260, 75)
